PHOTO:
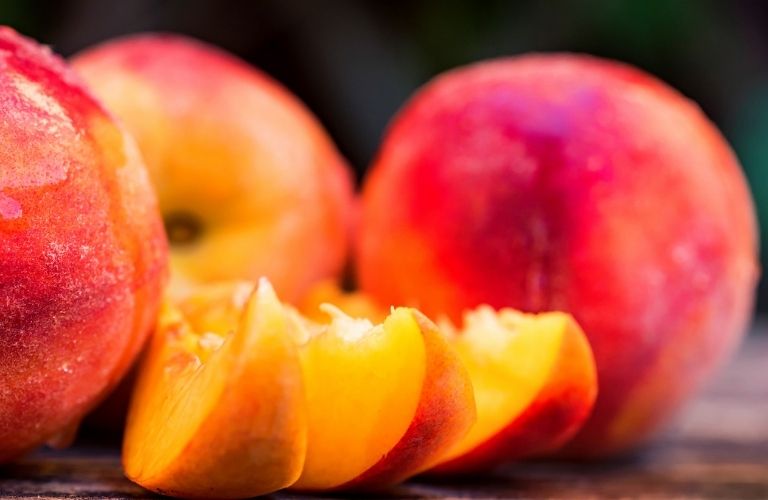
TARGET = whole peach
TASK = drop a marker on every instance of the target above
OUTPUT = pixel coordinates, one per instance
(248, 181)
(565, 182)
(82, 250)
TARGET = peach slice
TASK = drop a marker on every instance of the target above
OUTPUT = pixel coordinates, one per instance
(446, 407)
(535, 385)
(446, 412)
(363, 384)
(219, 409)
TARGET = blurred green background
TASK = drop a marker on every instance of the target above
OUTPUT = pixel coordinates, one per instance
(355, 62)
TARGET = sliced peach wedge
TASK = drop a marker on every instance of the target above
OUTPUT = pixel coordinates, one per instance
(362, 384)
(219, 407)
(535, 385)
(385, 402)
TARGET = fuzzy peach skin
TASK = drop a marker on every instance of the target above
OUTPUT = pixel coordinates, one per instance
(565, 182)
(248, 181)
(82, 249)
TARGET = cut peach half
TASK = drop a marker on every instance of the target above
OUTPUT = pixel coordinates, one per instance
(535, 385)
(219, 409)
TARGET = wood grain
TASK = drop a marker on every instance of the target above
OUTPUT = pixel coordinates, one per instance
(718, 449)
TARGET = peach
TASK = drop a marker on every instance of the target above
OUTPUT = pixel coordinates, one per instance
(247, 179)
(565, 182)
(363, 385)
(535, 384)
(385, 402)
(218, 409)
(82, 250)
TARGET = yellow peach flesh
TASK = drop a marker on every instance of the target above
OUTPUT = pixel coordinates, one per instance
(509, 356)
(220, 410)
(173, 370)
(363, 385)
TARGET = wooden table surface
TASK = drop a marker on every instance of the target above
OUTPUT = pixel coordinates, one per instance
(717, 449)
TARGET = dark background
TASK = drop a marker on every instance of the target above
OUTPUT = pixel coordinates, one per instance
(355, 62)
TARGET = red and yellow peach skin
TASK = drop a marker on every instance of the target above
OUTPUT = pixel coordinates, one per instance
(82, 249)
(565, 182)
(248, 181)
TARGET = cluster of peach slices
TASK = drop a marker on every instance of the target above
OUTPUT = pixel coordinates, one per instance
(241, 395)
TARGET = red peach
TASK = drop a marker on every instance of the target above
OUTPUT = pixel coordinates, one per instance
(565, 182)
(82, 249)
